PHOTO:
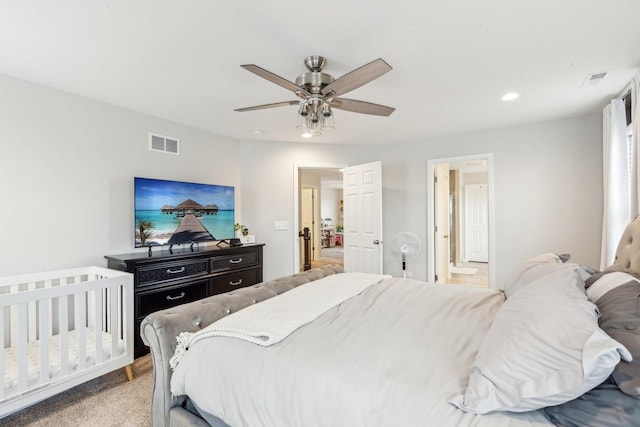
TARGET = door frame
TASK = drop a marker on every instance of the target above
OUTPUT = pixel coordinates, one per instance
(296, 208)
(315, 214)
(431, 217)
(442, 238)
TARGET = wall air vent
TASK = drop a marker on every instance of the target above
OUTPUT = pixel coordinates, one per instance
(164, 144)
(594, 79)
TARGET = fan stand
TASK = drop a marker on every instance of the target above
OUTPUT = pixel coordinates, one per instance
(404, 265)
(406, 246)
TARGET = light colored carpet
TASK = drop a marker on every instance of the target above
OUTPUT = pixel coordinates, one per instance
(109, 400)
(332, 255)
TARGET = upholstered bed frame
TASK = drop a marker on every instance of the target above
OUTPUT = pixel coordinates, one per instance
(628, 251)
(160, 329)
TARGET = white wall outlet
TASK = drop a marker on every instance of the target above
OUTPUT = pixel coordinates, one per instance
(281, 225)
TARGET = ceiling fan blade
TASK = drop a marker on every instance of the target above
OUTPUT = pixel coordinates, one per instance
(361, 107)
(273, 78)
(357, 78)
(265, 106)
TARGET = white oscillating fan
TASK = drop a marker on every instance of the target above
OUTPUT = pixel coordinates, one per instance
(405, 245)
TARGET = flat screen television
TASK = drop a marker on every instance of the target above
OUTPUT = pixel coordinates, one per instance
(175, 213)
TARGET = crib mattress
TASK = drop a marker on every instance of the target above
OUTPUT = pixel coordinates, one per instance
(33, 352)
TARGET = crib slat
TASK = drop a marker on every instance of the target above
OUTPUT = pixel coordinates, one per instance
(22, 343)
(49, 302)
(98, 308)
(81, 328)
(44, 340)
(120, 332)
(14, 316)
(107, 312)
(63, 303)
(33, 324)
(113, 328)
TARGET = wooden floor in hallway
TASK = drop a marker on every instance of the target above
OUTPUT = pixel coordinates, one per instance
(479, 279)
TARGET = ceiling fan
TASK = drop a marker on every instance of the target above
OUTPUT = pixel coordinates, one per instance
(319, 93)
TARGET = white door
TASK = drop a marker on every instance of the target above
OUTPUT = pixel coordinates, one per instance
(476, 223)
(441, 205)
(362, 188)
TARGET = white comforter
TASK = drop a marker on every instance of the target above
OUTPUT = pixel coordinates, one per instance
(274, 319)
(391, 356)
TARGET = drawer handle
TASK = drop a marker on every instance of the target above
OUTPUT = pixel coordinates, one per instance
(170, 298)
(239, 282)
(236, 261)
(179, 270)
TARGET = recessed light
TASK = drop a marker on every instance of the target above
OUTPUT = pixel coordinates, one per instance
(258, 131)
(510, 96)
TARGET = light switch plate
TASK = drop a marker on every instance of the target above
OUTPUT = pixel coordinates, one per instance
(281, 225)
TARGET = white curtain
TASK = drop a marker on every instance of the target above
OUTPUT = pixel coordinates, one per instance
(617, 200)
(635, 122)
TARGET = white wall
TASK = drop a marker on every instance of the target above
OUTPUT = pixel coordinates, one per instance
(67, 166)
(330, 204)
(548, 189)
(66, 172)
(267, 190)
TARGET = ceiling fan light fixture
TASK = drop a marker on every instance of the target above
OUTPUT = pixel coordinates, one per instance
(320, 92)
(327, 119)
(303, 119)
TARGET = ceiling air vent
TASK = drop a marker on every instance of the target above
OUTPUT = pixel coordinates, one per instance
(594, 79)
(164, 143)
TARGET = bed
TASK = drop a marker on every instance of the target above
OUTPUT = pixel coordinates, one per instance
(560, 346)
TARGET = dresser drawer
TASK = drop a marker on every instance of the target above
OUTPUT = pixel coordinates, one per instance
(149, 302)
(171, 270)
(232, 281)
(230, 262)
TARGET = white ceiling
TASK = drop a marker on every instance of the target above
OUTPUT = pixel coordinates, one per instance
(452, 59)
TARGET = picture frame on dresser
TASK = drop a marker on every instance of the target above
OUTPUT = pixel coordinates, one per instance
(167, 278)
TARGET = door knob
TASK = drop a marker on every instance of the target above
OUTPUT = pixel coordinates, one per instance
(376, 242)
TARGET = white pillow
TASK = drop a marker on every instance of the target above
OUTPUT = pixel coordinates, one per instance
(607, 282)
(544, 348)
(530, 270)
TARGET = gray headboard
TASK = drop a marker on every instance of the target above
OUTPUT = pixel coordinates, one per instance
(160, 329)
(628, 251)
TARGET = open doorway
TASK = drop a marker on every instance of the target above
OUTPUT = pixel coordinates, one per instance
(459, 215)
(320, 210)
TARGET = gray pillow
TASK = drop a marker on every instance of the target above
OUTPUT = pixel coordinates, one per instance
(604, 406)
(614, 268)
(620, 308)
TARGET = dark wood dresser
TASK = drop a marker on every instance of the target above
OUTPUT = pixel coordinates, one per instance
(166, 278)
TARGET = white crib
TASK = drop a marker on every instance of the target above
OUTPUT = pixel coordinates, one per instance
(60, 329)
